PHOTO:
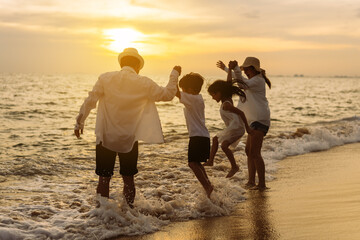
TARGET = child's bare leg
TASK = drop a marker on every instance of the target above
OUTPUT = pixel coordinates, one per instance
(208, 180)
(129, 190)
(103, 186)
(213, 150)
(234, 167)
(204, 172)
(201, 175)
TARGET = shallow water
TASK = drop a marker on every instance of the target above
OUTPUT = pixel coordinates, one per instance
(316, 196)
(47, 179)
(319, 196)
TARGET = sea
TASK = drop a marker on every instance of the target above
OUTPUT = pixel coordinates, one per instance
(47, 175)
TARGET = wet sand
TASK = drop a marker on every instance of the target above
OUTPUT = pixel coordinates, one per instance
(315, 196)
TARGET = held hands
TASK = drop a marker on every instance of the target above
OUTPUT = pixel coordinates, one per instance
(220, 65)
(232, 64)
(178, 68)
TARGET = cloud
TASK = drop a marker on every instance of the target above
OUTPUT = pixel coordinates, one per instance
(183, 27)
(79, 23)
(29, 51)
(230, 19)
(244, 28)
(252, 14)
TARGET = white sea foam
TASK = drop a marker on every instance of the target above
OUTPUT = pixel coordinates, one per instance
(10, 233)
(320, 138)
(114, 218)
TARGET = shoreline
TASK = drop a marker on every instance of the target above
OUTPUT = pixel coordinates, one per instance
(314, 196)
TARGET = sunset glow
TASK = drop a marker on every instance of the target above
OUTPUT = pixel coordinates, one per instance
(194, 34)
(119, 39)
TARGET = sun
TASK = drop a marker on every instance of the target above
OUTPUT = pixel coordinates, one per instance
(120, 38)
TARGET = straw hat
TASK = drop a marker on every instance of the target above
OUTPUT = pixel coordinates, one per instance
(251, 61)
(131, 52)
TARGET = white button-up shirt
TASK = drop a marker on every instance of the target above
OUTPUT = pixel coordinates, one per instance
(126, 111)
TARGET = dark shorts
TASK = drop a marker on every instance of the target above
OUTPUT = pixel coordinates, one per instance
(260, 127)
(105, 161)
(199, 149)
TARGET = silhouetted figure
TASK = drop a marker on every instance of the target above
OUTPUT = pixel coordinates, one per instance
(234, 119)
(125, 115)
(194, 111)
(256, 109)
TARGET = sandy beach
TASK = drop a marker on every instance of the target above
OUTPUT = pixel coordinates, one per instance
(314, 196)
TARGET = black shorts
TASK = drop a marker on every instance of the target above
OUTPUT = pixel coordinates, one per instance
(105, 161)
(199, 149)
(260, 127)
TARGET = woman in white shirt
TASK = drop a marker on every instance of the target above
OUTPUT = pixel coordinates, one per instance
(257, 112)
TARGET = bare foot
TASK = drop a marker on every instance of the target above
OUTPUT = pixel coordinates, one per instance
(209, 163)
(249, 185)
(260, 188)
(209, 191)
(232, 172)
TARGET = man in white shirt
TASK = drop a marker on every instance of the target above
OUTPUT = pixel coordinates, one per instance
(125, 112)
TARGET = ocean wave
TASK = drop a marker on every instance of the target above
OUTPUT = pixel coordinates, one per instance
(316, 137)
(347, 119)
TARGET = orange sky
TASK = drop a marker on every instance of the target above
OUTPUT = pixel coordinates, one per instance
(319, 37)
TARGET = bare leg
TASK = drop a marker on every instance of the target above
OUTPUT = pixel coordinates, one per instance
(103, 186)
(213, 151)
(250, 163)
(234, 167)
(129, 190)
(201, 175)
(255, 155)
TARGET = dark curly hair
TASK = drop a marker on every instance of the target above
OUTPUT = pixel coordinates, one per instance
(193, 81)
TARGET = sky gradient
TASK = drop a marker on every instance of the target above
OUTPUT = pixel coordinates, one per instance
(318, 37)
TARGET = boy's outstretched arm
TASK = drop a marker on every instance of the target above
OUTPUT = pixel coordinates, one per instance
(178, 68)
(178, 95)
